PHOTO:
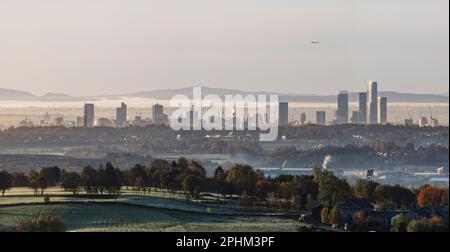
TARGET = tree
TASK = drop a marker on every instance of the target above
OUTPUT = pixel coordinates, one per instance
(263, 187)
(19, 180)
(316, 173)
(400, 223)
(71, 181)
(332, 190)
(324, 213)
(192, 184)
(287, 190)
(196, 169)
(90, 179)
(305, 186)
(309, 202)
(243, 177)
(335, 216)
(168, 180)
(220, 174)
(366, 189)
(432, 196)
(37, 182)
(51, 174)
(183, 165)
(396, 195)
(137, 177)
(5, 181)
(111, 179)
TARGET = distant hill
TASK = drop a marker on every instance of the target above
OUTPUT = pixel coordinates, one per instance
(9, 94)
(169, 93)
(17, 95)
(309, 98)
(59, 97)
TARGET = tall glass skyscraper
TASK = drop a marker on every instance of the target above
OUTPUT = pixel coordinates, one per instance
(283, 116)
(372, 99)
(121, 115)
(362, 115)
(382, 110)
(89, 115)
(342, 111)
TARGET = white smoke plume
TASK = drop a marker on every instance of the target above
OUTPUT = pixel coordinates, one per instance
(327, 160)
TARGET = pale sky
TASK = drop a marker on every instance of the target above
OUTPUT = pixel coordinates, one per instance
(90, 47)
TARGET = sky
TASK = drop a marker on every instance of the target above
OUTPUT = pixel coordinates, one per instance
(93, 47)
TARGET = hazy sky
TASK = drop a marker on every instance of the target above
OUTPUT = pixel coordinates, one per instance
(86, 47)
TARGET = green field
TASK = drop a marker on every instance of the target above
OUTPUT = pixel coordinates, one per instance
(150, 212)
(112, 217)
(153, 199)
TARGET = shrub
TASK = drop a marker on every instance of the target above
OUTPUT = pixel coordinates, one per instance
(399, 223)
(47, 198)
(435, 224)
(42, 224)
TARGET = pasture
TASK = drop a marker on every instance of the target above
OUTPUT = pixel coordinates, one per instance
(116, 217)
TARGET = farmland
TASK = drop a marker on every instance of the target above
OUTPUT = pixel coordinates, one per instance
(133, 213)
(111, 217)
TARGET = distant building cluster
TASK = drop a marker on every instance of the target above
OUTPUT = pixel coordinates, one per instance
(372, 109)
(88, 119)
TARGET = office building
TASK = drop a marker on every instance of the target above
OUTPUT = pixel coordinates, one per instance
(320, 117)
(303, 118)
(89, 115)
(423, 121)
(372, 102)
(355, 117)
(434, 122)
(283, 116)
(362, 113)
(121, 116)
(342, 111)
(157, 114)
(382, 110)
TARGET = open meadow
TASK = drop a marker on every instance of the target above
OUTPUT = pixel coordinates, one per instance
(136, 213)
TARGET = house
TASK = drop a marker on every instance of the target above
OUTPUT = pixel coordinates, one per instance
(356, 205)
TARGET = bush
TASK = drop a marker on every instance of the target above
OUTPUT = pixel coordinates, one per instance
(362, 223)
(399, 223)
(42, 224)
(47, 198)
(435, 224)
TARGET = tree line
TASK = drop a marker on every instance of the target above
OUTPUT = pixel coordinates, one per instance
(323, 188)
(322, 193)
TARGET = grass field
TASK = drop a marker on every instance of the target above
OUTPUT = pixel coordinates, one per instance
(155, 211)
(158, 199)
(111, 217)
